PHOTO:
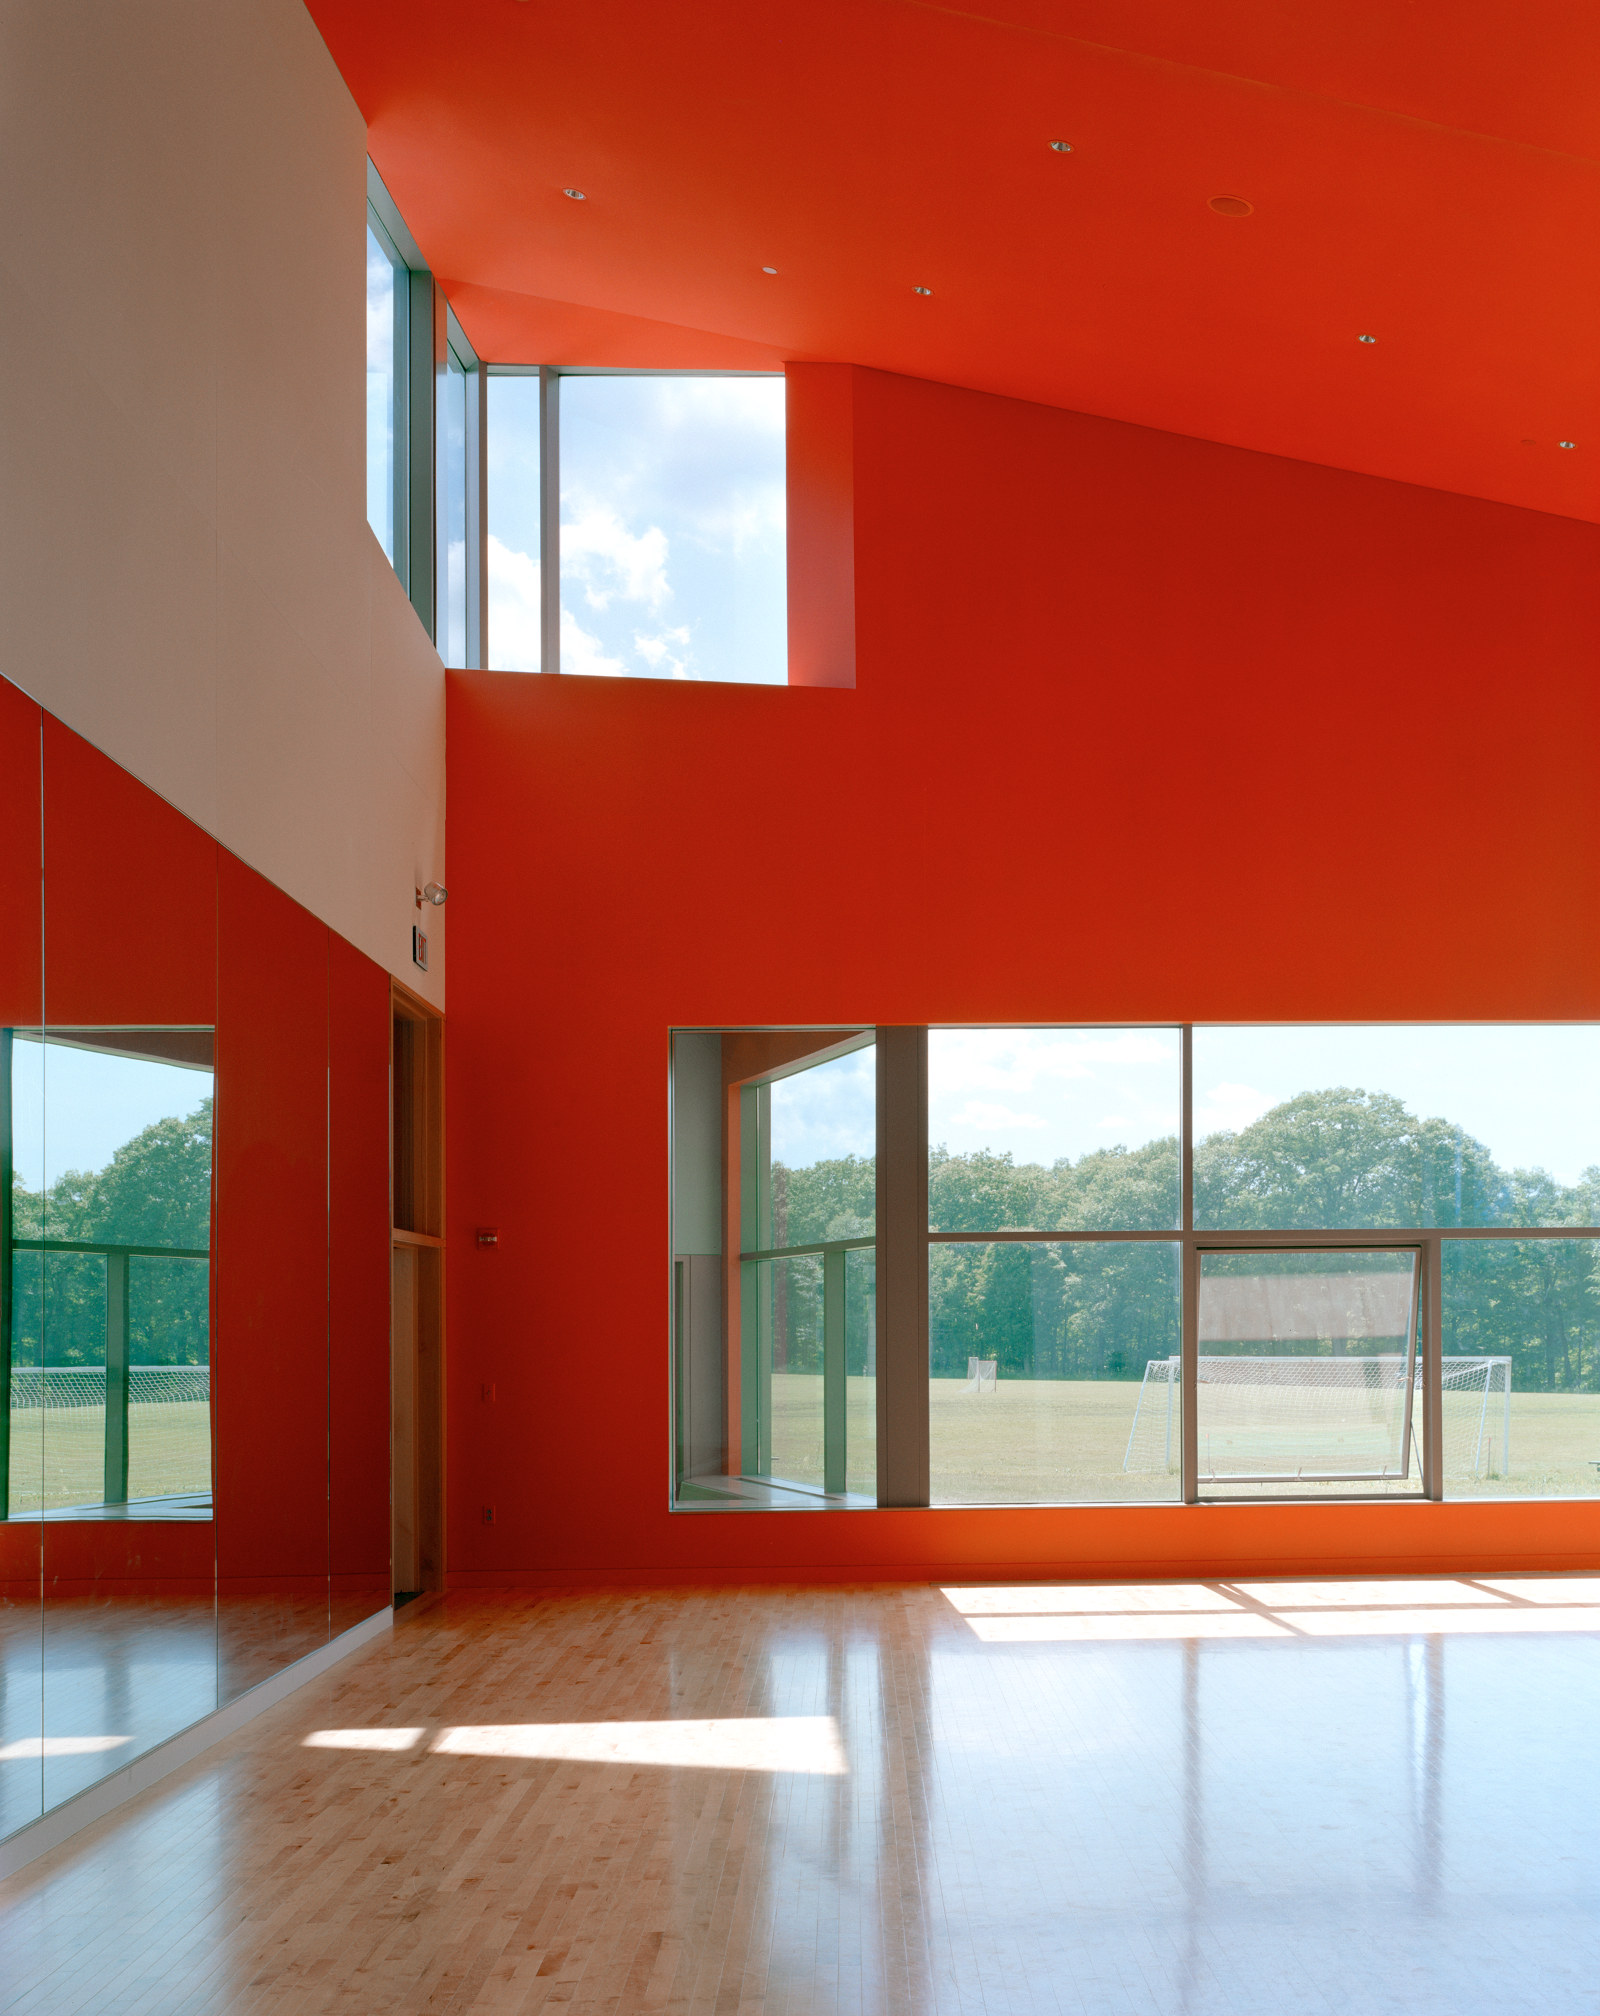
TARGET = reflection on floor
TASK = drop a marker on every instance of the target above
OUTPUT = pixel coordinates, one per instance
(94, 1681)
(1198, 1798)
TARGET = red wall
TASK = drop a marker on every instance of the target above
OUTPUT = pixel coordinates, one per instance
(1143, 729)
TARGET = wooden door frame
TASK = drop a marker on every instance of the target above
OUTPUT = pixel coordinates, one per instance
(416, 1217)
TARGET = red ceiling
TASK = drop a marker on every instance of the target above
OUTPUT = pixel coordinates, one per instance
(1423, 171)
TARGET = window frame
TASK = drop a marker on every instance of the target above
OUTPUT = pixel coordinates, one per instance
(549, 480)
(427, 333)
(903, 1240)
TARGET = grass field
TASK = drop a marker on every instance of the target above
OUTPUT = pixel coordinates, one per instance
(1059, 1441)
(58, 1454)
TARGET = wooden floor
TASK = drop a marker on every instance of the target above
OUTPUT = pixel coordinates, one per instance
(1370, 1798)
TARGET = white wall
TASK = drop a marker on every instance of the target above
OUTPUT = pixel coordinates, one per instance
(186, 573)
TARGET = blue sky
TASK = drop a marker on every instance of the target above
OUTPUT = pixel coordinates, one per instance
(1530, 1093)
(73, 1109)
(672, 527)
(827, 1112)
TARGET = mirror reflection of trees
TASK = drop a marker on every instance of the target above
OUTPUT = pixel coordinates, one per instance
(155, 1191)
(1332, 1160)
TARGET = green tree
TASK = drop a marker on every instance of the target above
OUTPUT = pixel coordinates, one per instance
(155, 1191)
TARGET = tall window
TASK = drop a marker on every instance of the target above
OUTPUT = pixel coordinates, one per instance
(671, 543)
(774, 1240)
(1202, 1263)
(1037, 1344)
(386, 384)
(459, 515)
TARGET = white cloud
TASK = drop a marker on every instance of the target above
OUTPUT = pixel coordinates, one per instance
(1026, 1060)
(976, 1114)
(599, 551)
(1229, 1107)
(1115, 1120)
(585, 655)
(513, 609)
(658, 653)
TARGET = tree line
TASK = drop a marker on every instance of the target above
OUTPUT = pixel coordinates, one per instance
(1339, 1159)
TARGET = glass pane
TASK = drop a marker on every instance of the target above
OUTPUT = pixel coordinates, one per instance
(72, 1383)
(381, 290)
(169, 1379)
(1308, 1373)
(673, 550)
(1052, 1372)
(1326, 1128)
(774, 1402)
(825, 1151)
(1521, 1368)
(1053, 1129)
(452, 481)
(513, 452)
(791, 1292)
(861, 1369)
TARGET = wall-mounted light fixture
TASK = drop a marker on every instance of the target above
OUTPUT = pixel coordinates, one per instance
(432, 892)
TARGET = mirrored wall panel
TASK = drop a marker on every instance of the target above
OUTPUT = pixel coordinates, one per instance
(194, 1251)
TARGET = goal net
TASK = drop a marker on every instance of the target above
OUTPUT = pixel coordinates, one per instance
(58, 1415)
(1271, 1416)
(982, 1375)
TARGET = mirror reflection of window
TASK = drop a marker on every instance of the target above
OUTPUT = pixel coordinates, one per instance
(109, 1236)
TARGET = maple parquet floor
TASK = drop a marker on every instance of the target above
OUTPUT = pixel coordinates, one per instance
(1206, 1799)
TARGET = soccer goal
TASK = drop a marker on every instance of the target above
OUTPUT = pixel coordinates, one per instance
(982, 1375)
(60, 1433)
(1323, 1417)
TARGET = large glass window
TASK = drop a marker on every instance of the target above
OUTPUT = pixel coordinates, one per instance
(110, 1231)
(672, 527)
(514, 528)
(1207, 1263)
(671, 547)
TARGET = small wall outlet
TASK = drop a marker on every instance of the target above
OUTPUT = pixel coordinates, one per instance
(488, 1515)
(488, 1235)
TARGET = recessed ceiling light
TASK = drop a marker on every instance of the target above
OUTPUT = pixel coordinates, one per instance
(1062, 146)
(922, 290)
(577, 195)
(1366, 339)
(769, 269)
(1566, 444)
(1231, 206)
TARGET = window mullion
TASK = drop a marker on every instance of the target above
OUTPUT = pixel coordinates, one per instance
(902, 1222)
(426, 345)
(549, 520)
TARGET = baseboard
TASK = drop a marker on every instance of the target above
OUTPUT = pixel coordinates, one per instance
(39, 1836)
